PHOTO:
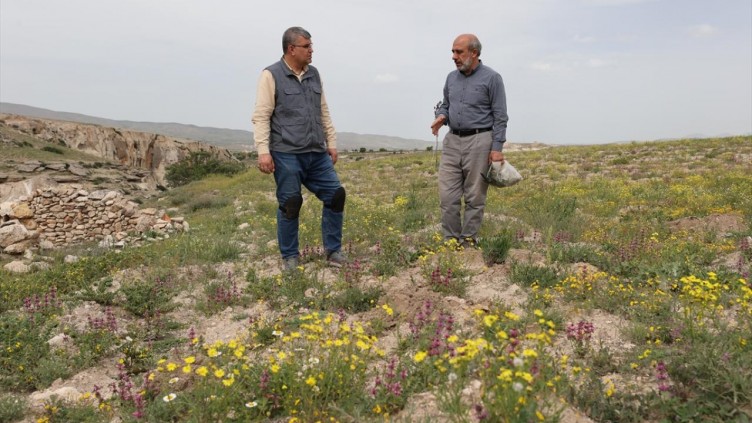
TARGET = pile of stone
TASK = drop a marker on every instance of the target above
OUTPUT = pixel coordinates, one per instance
(54, 217)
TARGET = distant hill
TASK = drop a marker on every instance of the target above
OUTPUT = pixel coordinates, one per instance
(231, 139)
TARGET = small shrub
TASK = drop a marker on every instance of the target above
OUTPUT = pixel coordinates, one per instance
(145, 298)
(92, 345)
(198, 165)
(528, 274)
(56, 410)
(356, 300)
(391, 255)
(553, 214)
(573, 253)
(12, 407)
(496, 248)
(24, 344)
(99, 292)
(443, 267)
(52, 149)
(220, 295)
(296, 287)
(207, 202)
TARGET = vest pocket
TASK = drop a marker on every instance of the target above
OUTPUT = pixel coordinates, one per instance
(294, 98)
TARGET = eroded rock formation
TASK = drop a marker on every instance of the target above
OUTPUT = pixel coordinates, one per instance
(141, 150)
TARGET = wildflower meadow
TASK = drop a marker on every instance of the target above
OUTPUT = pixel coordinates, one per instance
(611, 285)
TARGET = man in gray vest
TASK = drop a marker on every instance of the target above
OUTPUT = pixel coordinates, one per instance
(296, 141)
(475, 108)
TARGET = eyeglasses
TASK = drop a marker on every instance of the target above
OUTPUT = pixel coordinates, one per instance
(306, 46)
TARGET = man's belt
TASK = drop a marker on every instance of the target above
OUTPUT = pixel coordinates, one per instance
(468, 132)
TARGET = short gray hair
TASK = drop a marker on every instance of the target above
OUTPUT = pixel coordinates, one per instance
(291, 35)
(474, 44)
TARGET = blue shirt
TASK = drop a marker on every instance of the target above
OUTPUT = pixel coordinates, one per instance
(476, 101)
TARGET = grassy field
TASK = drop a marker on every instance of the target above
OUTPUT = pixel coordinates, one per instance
(612, 284)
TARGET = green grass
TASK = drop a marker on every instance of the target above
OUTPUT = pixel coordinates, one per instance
(358, 343)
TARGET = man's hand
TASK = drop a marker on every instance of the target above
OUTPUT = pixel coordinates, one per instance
(437, 124)
(495, 156)
(333, 154)
(265, 163)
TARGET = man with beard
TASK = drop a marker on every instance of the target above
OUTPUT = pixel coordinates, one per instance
(296, 141)
(474, 107)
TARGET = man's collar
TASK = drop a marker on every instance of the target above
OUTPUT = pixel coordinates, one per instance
(302, 72)
(475, 69)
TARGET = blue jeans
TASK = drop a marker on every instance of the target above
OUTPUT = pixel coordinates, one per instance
(316, 172)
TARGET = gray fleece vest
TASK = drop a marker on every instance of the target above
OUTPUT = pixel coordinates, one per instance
(296, 121)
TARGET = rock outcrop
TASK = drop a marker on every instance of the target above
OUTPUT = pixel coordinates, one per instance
(132, 149)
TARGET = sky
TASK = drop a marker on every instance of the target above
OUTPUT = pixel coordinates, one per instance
(575, 71)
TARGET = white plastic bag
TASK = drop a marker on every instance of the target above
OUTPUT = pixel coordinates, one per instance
(502, 174)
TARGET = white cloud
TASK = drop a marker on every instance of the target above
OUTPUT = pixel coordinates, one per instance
(703, 30)
(386, 78)
(598, 63)
(615, 2)
(583, 38)
(56, 58)
(542, 66)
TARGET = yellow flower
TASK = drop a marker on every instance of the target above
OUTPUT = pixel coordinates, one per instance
(420, 356)
(275, 368)
(362, 345)
(525, 375)
(311, 381)
(213, 352)
(505, 375)
(511, 316)
(219, 373)
(187, 368)
(202, 371)
(228, 382)
(490, 320)
(189, 360)
(387, 309)
(171, 367)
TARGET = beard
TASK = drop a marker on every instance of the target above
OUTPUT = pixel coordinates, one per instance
(465, 65)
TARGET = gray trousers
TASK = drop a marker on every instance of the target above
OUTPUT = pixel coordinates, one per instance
(463, 160)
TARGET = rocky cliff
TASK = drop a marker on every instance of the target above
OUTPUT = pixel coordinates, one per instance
(141, 150)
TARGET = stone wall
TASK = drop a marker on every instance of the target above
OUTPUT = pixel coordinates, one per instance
(57, 216)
